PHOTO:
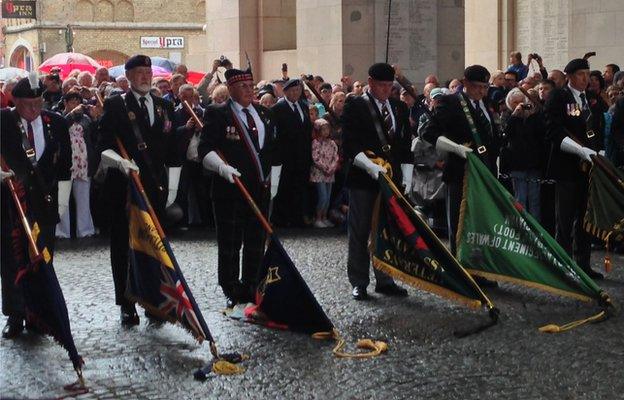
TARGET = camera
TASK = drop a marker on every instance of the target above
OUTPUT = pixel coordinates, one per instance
(527, 106)
(224, 62)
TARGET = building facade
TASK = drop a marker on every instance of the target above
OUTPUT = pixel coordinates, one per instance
(108, 30)
(558, 30)
(333, 38)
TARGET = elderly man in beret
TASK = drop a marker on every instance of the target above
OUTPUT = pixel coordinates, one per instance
(572, 126)
(35, 146)
(143, 124)
(462, 123)
(239, 141)
(375, 123)
(294, 131)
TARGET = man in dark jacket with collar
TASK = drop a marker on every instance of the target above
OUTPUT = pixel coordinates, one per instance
(461, 123)
(239, 141)
(572, 129)
(35, 146)
(294, 132)
(143, 124)
(377, 124)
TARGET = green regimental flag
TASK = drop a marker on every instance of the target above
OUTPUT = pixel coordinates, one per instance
(498, 239)
(605, 205)
(403, 246)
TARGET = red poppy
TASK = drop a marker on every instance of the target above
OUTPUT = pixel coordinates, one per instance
(46, 119)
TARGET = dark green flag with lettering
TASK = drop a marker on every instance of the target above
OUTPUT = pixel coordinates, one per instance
(403, 246)
(604, 218)
(498, 239)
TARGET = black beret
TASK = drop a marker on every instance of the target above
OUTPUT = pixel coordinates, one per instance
(268, 88)
(23, 90)
(477, 73)
(381, 72)
(236, 75)
(138, 60)
(292, 83)
(324, 86)
(71, 95)
(575, 65)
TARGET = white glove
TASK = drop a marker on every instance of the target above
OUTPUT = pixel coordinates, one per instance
(407, 171)
(447, 145)
(64, 190)
(276, 172)
(174, 183)
(367, 165)
(570, 146)
(602, 153)
(110, 159)
(6, 174)
(214, 163)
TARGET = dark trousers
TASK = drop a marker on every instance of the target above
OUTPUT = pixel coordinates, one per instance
(292, 201)
(570, 206)
(361, 204)
(119, 237)
(193, 191)
(453, 205)
(238, 226)
(12, 296)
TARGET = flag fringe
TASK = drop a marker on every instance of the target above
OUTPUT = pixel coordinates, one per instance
(534, 285)
(424, 285)
(376, 347)
(553, 328)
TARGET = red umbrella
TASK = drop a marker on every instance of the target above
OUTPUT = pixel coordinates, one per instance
(67, 62)
(194, 77)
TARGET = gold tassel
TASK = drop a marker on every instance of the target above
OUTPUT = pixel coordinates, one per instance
(552, 328)
(607, 258)
(376, 347)
(222, 367)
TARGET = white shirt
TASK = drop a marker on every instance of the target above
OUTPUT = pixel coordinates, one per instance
(293, 105)
(243, 117)
(577, 96)
(387, 104)
(149, 103)
(37, 126)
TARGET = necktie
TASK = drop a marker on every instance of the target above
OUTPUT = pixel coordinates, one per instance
(583, 101)
(251, 126)
(387, 119)
(481, 116)
(31, 136)
(143, 100)
(296, 110)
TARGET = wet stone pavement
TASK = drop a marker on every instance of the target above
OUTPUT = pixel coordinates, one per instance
(509, 361)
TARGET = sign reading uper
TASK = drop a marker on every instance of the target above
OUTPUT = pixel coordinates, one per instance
(162, 42)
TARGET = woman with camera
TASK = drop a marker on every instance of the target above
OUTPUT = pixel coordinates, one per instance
(522, 156)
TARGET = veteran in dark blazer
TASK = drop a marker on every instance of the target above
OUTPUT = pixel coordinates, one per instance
(462, 123)
(143, 123)
(376, 124)
(35, 146)
(572, 128)
(239, 141)
(294, 133)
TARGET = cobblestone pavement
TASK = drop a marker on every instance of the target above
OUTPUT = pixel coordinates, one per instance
(511, 360)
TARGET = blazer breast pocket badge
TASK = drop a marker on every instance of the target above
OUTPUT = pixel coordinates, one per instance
(231, 134)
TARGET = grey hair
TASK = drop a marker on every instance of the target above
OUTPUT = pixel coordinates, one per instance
(513, 93)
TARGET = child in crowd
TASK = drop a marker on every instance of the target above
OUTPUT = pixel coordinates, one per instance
(324, 164)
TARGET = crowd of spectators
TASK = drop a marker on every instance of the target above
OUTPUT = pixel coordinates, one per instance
(516, 98)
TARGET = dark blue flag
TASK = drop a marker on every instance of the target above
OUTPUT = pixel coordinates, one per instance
(44, 303)
(283, 299)
(156, 281)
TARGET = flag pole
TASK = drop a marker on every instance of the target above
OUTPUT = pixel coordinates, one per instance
(388, 31)
(24, 220)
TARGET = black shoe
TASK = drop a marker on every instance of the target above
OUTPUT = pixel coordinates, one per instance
(359, 293)
(594, 274)
(483, 282)
(153, 319)
(129, 316)
(32, 328)
(391, 290)
(13, 328)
